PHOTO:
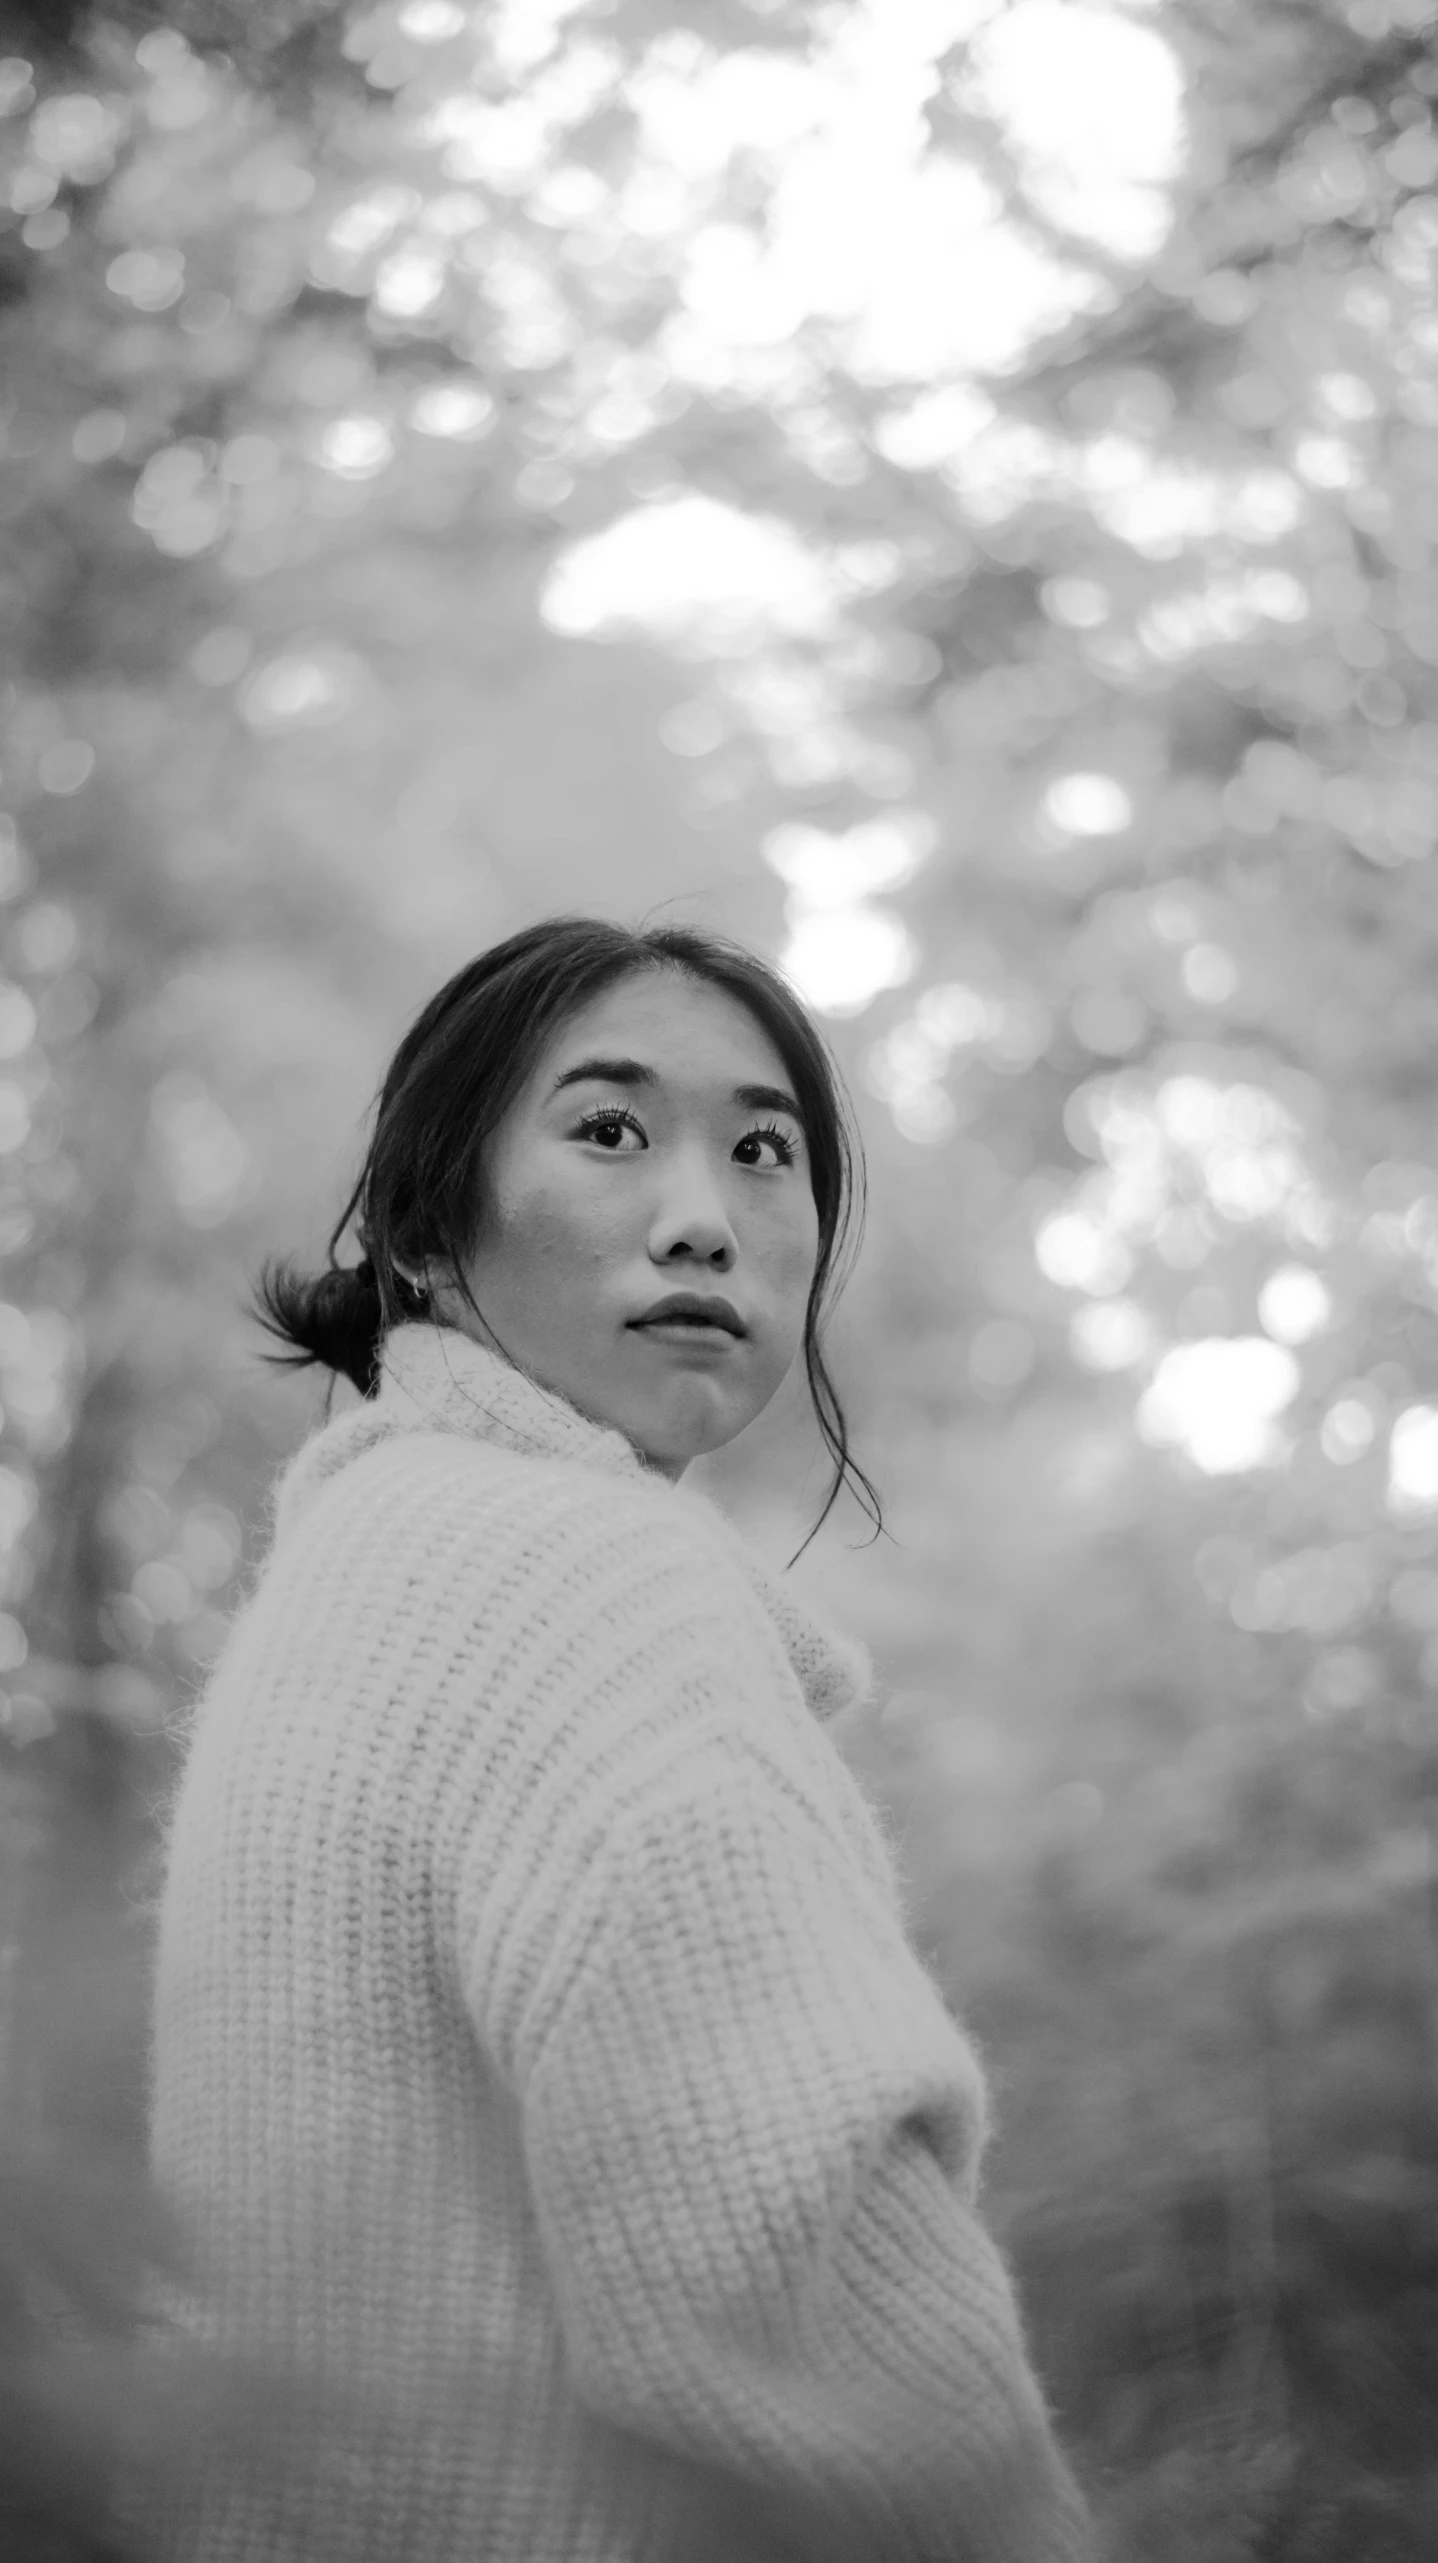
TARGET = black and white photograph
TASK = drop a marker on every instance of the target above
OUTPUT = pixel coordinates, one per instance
(718, 1281)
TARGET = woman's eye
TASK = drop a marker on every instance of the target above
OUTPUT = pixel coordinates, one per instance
(781, 1148)
(610, 1130)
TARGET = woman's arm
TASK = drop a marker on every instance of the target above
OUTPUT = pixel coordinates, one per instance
(751, 2127)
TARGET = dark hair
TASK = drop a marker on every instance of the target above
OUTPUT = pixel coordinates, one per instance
(419, 1196)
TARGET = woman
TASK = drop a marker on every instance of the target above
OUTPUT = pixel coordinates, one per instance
(542, 2076)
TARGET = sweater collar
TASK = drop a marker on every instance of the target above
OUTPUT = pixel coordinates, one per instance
(435, 1379)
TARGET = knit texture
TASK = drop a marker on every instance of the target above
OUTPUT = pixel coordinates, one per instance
(543, 2082)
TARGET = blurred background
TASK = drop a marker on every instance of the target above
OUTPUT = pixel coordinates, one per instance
(947, 491)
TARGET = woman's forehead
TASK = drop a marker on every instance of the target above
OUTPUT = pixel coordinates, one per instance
(684, 1028)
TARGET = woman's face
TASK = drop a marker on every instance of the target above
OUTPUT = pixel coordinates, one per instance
(655, 1152)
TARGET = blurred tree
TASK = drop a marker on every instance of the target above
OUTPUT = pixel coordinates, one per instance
(466, 462)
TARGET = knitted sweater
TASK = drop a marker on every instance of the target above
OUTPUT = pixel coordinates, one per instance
(542, 2079)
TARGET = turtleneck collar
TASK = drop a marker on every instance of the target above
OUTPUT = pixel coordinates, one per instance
(436, 1376)
(435, 1379)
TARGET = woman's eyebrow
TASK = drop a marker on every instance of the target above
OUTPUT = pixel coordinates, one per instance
(609, 1072)
(768, 1099)
(633, 1072)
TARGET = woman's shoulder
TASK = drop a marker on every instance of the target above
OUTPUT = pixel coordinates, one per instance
(606, 1555)
(452, 1501)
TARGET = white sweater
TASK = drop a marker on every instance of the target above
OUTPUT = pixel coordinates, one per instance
(542, 2078)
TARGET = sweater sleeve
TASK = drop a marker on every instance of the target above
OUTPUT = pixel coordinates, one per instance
(751, 2131)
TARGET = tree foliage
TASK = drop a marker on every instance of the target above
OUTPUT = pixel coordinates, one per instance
(465, 463)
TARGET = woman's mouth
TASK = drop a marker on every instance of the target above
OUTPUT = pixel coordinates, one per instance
(688, 1317)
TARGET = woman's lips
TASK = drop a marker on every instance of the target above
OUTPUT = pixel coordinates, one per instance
(696, 1310)
(689, 1331)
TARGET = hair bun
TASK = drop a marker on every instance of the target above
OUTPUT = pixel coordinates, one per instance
(336, 1317)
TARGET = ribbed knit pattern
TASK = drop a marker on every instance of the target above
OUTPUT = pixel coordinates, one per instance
(542, 2077)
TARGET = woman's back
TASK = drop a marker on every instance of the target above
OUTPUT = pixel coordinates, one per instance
(344, 2155)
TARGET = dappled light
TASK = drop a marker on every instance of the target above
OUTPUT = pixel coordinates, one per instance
(948, 494)
(1218, 1400)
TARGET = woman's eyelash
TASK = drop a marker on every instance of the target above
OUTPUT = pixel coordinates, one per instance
(781, 1140)
(604, 1118)
(606, 1115)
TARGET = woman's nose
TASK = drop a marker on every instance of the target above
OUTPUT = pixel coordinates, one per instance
(693, 1223)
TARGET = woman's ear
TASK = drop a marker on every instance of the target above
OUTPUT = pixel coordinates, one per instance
(437, 1287)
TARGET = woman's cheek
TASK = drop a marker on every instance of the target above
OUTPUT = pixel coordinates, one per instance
(557, 1220)
(800, 1249)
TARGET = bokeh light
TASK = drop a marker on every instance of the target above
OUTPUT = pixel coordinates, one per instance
(946, 494)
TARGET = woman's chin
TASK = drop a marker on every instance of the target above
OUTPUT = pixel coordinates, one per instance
(695, 1417)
